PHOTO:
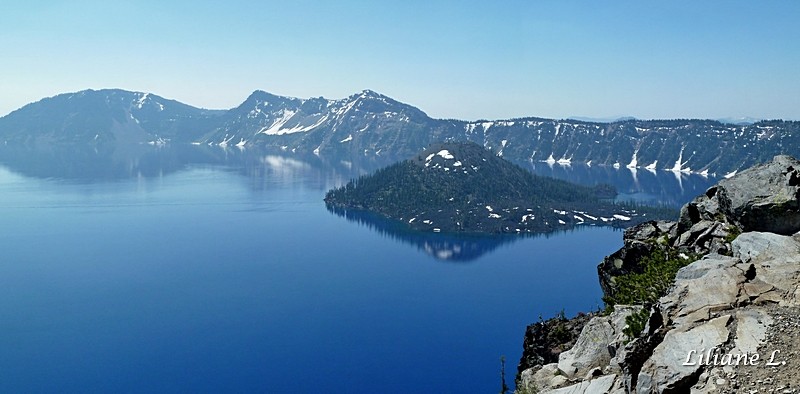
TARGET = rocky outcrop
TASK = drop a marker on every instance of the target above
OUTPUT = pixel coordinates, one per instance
(762, 198)
(599, 341)
(547, 339)
(700, 238)
(723, 307)
(716, 307)
(639, 241)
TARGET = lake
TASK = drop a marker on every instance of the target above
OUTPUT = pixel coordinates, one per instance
(211, 270)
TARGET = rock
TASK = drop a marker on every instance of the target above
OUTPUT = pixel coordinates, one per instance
(751, 330)
(705, 237)
(639, 241)
(631, 357)
(711, 206)
(756, 247)
(540, 379)
(601, 385)
(699, 238)
(702, 287)
(544, 341)
(665, 369)
(775, 259)
(590, 351)
(698, 233)
(726, 300)
(594, 347)
(762, 198)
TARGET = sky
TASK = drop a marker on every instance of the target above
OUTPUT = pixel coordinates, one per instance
(452, 59)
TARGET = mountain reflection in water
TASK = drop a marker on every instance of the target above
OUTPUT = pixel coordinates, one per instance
(264, 168)
(441, 246)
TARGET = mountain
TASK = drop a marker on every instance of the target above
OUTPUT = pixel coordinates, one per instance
(369, 123)
(745, 120)
(98, 116)
(601, 120)
(462, 187)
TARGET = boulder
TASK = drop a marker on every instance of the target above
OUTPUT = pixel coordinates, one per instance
(775, 261)
(758, 247)
(544, 341)
(541, 379)
(703, 287)
(596, 344)
(762, 198)
(705, 236)
(667, 371)
(600, 385)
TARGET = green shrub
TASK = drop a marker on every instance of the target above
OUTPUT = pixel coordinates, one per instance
(636, 322)
(658, 274)
(732, 234)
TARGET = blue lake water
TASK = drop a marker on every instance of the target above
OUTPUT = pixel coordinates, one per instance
(225, 273)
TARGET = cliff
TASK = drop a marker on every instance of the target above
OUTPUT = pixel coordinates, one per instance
(727, 321)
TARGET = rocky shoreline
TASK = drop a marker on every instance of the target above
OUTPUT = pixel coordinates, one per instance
(735, 297)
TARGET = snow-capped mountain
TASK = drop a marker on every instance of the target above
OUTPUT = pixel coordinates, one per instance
(369, 123)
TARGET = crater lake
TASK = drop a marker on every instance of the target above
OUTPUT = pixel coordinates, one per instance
(200, 269)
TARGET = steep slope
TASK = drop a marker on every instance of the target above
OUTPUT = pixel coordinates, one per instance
(461, 187)
(369, 123)
(364, 123)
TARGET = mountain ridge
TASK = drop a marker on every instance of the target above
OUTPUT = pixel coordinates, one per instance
(370, 123)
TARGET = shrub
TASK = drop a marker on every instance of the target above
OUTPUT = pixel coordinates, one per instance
(658, 274)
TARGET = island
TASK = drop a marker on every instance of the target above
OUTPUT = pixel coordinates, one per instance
(461, 187)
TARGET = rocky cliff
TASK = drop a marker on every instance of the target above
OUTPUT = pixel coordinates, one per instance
(728, 322)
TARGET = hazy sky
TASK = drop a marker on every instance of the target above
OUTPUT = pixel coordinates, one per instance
(453, 59)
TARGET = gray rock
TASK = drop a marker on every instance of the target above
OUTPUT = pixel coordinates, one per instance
(590, 351)
(762, 198)
(751, 330)
(776, 262)
(593, 349)
(715, 301)
(758, 247)
(665, 370)
(765, 198)
(541, 379)
(601, 385)
(702, 287)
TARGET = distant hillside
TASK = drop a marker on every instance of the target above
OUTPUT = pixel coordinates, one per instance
(462, 187)
(100, 116)
(369, 123)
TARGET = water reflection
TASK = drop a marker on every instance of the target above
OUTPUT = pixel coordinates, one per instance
(264, 167)
(443, 247)
(118, 163)
(270, 169)
(657, 187)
